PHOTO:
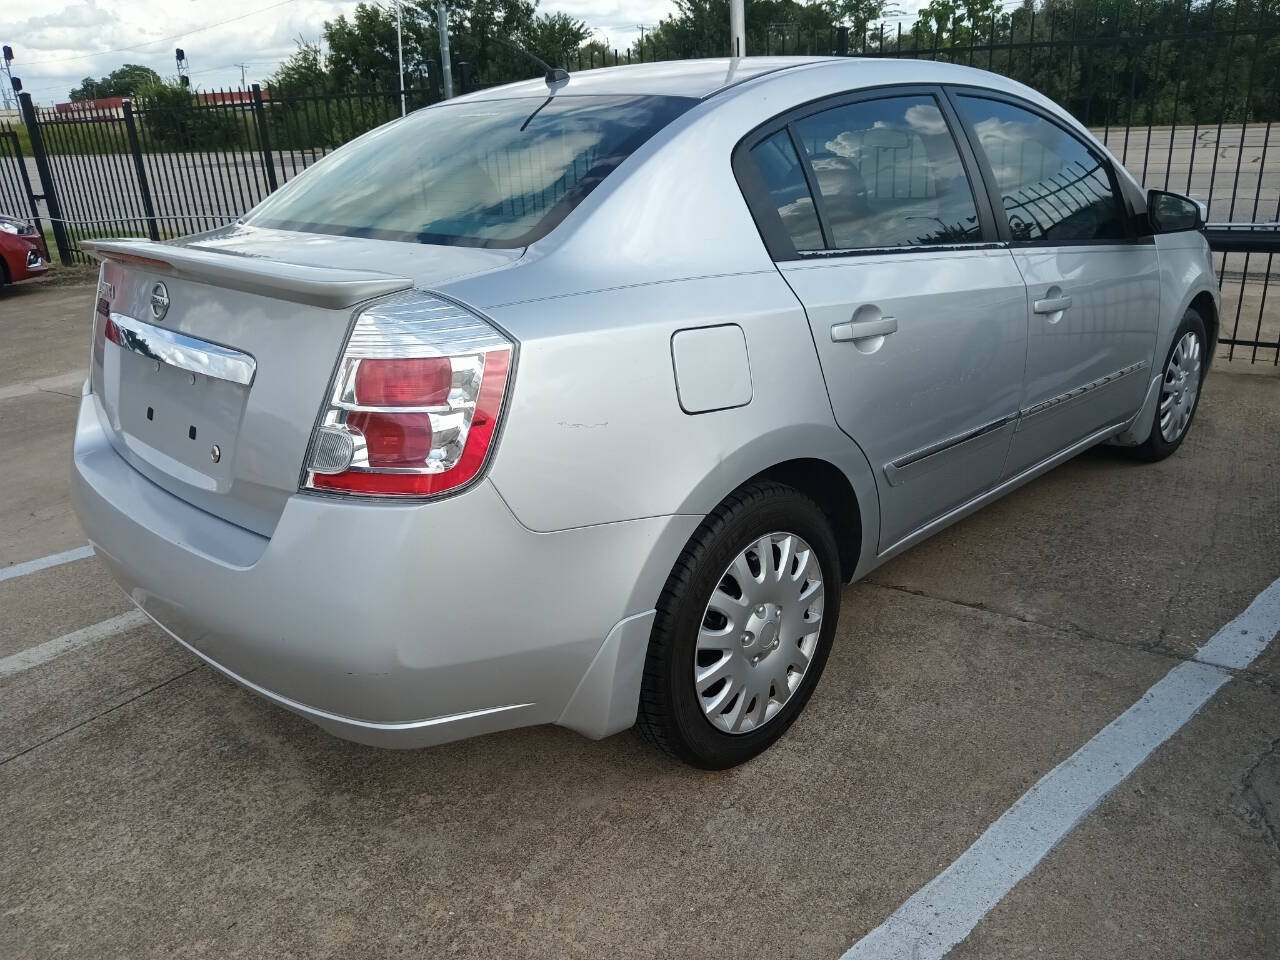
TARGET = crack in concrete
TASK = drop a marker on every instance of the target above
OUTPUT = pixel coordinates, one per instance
(1073, 630)
(1255, 807)
(98, 716)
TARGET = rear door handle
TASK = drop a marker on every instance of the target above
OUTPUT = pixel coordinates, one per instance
(1051, 305)
(861, 329)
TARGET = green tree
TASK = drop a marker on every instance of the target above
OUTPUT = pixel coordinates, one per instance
(943, 23)
(485, 37)
(700, 28)
(125, 81)
(305, 71)
(175, 119)
(556, 37)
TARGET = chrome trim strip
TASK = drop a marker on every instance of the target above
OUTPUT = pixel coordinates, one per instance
(894, 468)
(1077, 392)
(999, 490)
(184, 352)
(813, 255)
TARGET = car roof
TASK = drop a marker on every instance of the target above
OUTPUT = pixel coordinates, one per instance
(672, 78)
(704, 78)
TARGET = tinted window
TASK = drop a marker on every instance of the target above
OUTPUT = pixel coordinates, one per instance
(493, 173)
(1054, 189)
(784, 178)
(889, 174)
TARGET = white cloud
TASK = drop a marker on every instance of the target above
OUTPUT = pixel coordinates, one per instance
(71, 39)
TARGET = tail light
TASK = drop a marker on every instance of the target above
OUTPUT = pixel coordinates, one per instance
(414, 403)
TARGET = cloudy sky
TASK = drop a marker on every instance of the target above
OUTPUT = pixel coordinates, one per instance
(58, 42)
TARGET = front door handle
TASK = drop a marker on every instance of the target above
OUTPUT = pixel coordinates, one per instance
(862, 329)
(1051, 305)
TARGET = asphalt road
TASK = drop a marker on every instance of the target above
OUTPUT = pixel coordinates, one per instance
(152, 809)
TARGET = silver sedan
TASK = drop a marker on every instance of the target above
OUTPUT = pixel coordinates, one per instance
(576, 401)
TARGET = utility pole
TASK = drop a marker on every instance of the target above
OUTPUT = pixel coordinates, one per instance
(737, 29)
(241, 66)
(446, 68)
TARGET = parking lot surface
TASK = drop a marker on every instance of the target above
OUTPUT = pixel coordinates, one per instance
(152, 809)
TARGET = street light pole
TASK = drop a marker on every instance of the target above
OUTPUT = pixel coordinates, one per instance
(737, 29)
(400, 56)
(446, 68)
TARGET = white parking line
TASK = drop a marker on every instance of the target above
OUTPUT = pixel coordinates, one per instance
(945, 911)
(63, 382)
(44, 563)
(51, 649)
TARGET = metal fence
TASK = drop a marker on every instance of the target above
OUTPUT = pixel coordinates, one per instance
(165, 169)
(1183, 92)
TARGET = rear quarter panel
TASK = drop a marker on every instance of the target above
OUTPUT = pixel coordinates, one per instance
(595, 432)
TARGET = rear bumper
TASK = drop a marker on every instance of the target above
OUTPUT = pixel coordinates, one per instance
(392, 624)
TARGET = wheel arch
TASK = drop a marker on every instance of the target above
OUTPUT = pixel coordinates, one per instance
(1205, 304)
(821, 462)
(825, 484)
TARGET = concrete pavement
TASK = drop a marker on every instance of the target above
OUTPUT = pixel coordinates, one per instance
(151, 808)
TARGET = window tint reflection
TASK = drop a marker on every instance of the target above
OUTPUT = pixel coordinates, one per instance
(784, 178)
(1054, 189)
(889, 174)
(492, 173)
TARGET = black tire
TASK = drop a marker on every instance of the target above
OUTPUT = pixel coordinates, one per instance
(1156, 446)
(670, 715)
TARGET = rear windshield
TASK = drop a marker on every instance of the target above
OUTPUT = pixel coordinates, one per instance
(494, 173)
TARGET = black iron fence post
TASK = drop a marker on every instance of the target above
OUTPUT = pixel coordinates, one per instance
(842, 41)
(50, 194)
(264, 138)
(16, 151)
(144, 188)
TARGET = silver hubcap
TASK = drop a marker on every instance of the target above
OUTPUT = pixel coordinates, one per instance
(759, 633)
(1180, 388)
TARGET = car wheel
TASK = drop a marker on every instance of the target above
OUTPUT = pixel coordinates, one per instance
(743, 628)
(1184, 370)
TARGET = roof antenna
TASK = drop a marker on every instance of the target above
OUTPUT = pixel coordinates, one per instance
(551, 75)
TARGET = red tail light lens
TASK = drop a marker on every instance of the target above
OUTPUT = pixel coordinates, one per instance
(415, 401)
(394, 439)
(407, 382)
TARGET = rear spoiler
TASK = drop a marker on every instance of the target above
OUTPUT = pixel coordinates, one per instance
(331, 288)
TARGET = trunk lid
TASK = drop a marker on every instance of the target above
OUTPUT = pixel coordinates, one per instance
(217, 356)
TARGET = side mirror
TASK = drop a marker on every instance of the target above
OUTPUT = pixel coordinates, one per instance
(1172, 212)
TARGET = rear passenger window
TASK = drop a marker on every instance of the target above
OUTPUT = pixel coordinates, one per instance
(889, 174)
(784, 178)
(1054, 188)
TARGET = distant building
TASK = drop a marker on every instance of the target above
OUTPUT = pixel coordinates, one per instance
(109, 107)
(103, 107)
